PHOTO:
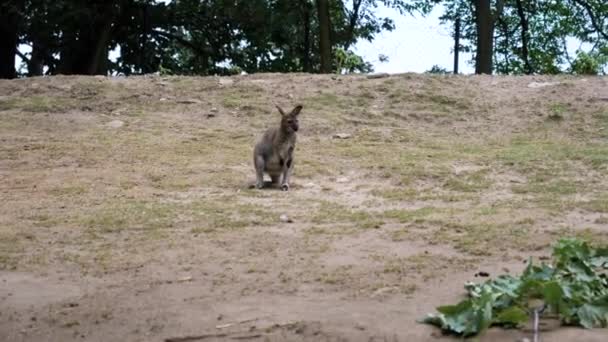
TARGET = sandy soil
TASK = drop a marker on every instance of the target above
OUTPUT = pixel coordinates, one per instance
(126, 213)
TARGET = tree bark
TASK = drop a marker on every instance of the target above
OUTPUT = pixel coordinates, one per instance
(35, 66)
(305, 12)
(324, 35)
(456, 45)
(505, 31)
(306, 51)
(524, 36)
(352, 23)
(85, 52)
(485, 37)
(10, 15)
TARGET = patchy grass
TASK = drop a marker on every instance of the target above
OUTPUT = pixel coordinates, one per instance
(599, 204)
(329, 212)
(486, 239)
(448, 163)
(37, 104)
(117, 216)
(472, 182)
(405, 216)
(554, 187)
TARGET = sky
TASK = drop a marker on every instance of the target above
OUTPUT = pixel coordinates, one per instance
(416, 44)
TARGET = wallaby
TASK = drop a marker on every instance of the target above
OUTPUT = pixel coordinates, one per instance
(273, 154)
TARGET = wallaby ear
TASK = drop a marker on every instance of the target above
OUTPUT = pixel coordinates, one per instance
(280, 110)
(296, 110)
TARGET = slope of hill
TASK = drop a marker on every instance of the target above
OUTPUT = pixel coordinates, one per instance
(126, 215)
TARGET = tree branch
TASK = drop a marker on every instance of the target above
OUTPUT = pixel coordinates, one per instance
(200, 50)
(353, 19)
(23, 57)
(523, 21)
(594, 22)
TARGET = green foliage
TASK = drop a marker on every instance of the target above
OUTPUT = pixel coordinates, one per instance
(589, 63)
(437, 70)
(195, 37)
(348, 62)
(575, 288)
(549, 26)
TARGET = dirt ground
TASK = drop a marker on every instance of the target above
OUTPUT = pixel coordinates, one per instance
(125, 213)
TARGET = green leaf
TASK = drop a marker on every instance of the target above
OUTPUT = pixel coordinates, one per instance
(593, 315)
(580, 270)
(553, 294)
(438, 320)
(600, 261)
(512, 316)
(575, 288)
(457, 317)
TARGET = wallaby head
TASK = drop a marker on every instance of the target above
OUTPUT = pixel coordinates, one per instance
(289, 121)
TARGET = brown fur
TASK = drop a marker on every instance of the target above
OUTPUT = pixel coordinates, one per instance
(273, 154)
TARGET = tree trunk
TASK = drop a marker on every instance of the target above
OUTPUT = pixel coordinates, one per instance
(352, 23)
(98, 63)
(485, 37)
(35, 65)
(305, 11)
(9, 31)
(524, 37)
(324, 35)
(144, 60)
(456, 45)
(86, 52)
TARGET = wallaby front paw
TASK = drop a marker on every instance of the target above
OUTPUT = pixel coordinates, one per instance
(285, 187)
(259, 185)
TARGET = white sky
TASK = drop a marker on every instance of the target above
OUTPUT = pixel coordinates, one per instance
(416, 44)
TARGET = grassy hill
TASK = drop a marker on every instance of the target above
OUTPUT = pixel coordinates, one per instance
(126, 212)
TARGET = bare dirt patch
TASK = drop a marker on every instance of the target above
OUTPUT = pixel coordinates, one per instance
(126, 215)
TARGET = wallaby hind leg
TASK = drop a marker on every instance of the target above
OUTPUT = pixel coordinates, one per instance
(259, 171)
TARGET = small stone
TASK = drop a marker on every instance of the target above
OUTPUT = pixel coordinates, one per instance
(380, 75)
(226, 81)
(115, 124)
(284, 218)
(189, 101)
(309, 185)
(213, 110)
(162, 99)
(343, 180)
(541, 84)
(342, 136)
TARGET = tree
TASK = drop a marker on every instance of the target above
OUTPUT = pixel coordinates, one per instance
(203, 37)
(523, 23)
(528, 36)
(10, 17)
(324, 35)
(485, 36)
